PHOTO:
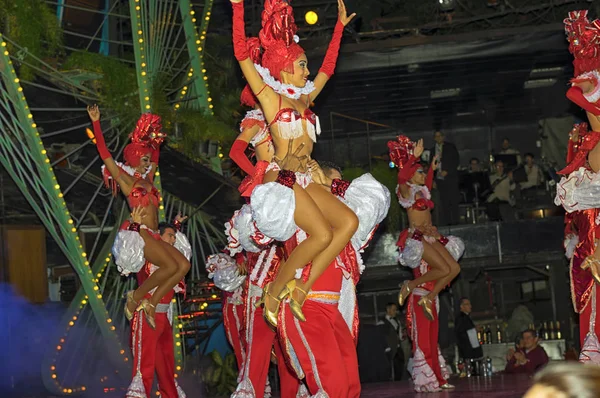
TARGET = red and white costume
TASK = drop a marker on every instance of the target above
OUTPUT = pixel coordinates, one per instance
(152, 348)
(579, 190)
(427, 366)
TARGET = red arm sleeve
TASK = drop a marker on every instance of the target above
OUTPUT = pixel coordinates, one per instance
(575, 94)
(328, 66)
(238, 155)
(100, 143)
(429, 179)
(240, 48)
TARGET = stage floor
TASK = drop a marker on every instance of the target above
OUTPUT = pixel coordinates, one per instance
(505, 386)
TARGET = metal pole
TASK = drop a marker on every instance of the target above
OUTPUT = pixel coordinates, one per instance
(368, 147)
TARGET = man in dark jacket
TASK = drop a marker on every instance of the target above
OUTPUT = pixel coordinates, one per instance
(446, 179)
(392, 329)
(466, 334)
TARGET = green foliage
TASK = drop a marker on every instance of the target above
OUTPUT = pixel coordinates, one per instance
(388, 177)
(34, 27)
(220, 378)
(116, 84)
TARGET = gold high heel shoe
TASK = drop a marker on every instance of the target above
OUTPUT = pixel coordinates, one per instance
(144, 305)
(426, 304)
(130, 299)
(295, 306)
(270, 316)
(404, 293)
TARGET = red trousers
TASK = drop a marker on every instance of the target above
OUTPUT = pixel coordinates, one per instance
(233, 318)
(260, 339)
(428, 371)
(320, 350)
(152, 352)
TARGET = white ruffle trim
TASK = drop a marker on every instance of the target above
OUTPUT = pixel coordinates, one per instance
(136, 388)
(570, 245)
(443, 366)
(180, 392)
(233, 237)
(128, 250)
(414, 190)
(580, 190)
(370, 201)
(590, 352)
(284, 89)
(127, 169)
(594, 95)
(224, 272)
(244, 390)
(423, 377)
(243, 222)
(347, 303)
(302, 392)
(273, 207)
(412, 254)
(455, 246)
(183, 245)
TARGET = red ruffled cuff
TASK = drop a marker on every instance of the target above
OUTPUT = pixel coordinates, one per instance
(339, 187)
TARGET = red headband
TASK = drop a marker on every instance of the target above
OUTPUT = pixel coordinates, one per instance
(133, 153)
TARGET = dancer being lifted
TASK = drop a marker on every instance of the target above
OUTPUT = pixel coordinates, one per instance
(134, 178)
(422, 241)
(288, 199)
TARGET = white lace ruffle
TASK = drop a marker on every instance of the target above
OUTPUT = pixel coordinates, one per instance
(580, 190)
(302, 392)
(233, 237)
(455, 246)
(570, 244)
(443, 366)
(412, 254)
(243, 222)
(136, 388)
(183, 245)
(284, 89)
(244, 390)
(127, 169)
(273, 207)
(224, 272)
(594, 95)
(370, 201)
(423, 377)
(128, 249)
(414, 190)
(180, 393)
(590, 352)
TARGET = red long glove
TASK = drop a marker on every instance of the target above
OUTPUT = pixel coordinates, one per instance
(575, 94)
(238, 155)
(240, 49)
(100, 143)
(155, 155)
(333, 50)
(429, 178)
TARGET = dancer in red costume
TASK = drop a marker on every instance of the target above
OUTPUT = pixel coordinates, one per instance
(322, 350)
(153, 347)
(433, 259)
(422, 240)
(579, 190)
(135, 180)
(287, 199)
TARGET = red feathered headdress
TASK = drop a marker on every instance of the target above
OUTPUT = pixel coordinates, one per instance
(584, 41)
(146, 138)
(401, 153)
(277, 38)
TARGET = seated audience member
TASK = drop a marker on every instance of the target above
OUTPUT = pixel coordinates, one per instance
(566, 380)
(508, 150)
(475, 166)
(530, 358)
(534, 178)
(501, 200)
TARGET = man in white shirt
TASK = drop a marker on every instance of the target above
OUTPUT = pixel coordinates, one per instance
(533, 173)
(500, 202)
(508, 150)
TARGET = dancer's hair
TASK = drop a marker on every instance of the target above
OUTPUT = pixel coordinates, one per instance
(573, 379)
(162, 227)
(328, 167)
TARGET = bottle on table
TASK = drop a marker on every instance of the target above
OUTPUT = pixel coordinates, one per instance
(488, 333)
(545, 332)
(552, 334)
(558, 333)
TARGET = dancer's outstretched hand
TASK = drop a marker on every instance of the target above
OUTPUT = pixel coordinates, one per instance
(292, 161)
(343, 14)
(94, 112)
(180, 218)
(418, 151)
(137, 215)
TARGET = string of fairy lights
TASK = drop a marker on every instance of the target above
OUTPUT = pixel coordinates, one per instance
(71, 242)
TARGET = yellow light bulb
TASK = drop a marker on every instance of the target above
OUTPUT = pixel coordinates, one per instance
(3, 44)
(193, 19)
(16, 79)
(205, 78)
(70, 220)
(311, 17)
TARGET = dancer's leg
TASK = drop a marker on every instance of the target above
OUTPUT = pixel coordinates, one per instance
(343, 222)
(452, 264)
(439, 268)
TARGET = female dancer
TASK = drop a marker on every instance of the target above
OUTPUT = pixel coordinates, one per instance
(135, 180)
(422, 241)
(288, 200)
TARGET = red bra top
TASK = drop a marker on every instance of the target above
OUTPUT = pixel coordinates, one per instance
(139, 196)
(288, 115)
(421, 203)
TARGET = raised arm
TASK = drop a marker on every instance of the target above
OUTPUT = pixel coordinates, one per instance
(238, 149)
(264, 93)
(124, 180)
(328, 66)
